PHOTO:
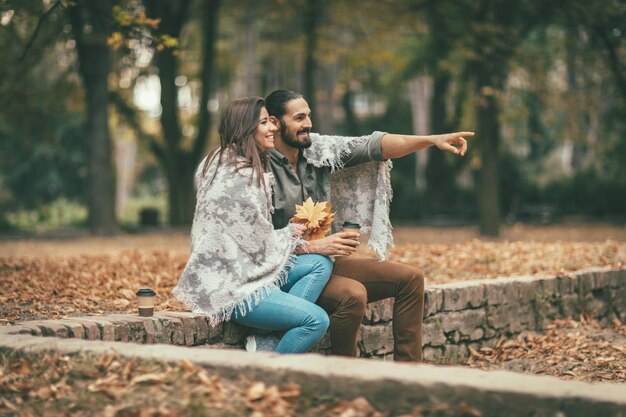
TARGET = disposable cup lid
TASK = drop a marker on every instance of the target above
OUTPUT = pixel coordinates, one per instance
(145, 292)
(350, 224)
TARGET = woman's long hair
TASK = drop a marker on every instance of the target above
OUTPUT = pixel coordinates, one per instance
(237, 127)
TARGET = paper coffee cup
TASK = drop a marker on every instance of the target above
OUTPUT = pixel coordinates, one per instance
(145, 302)
(351, 227)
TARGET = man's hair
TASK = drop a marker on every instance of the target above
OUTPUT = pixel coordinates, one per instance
(276, 102)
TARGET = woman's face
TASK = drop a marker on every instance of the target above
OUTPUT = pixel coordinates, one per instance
(264, 134)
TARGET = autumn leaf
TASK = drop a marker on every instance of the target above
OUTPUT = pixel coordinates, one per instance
(152, 378)
(317, 217)
(255, 391)
(312, 213)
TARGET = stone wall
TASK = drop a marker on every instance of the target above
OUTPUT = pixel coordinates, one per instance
(473, 314)
(457, 316)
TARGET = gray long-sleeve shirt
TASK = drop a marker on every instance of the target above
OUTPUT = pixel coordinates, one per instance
(294, 185)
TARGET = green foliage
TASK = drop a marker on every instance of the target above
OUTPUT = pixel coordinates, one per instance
(45, 163)
(588, 193)
(563, 72)
(42, 150)
(57, 214)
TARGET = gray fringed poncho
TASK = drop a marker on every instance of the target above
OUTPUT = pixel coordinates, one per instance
(237, 256)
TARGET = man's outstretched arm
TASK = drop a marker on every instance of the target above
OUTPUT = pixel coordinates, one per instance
(396, 146)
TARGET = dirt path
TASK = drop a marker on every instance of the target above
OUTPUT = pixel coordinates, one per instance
(79, 243)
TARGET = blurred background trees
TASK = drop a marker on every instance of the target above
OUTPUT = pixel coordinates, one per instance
(107, 107)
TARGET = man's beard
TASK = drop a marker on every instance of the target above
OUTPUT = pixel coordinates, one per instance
(293, 141)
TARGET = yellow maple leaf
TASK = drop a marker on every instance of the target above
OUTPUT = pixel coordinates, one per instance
(317, 233)
(317, 217)
(312, 213)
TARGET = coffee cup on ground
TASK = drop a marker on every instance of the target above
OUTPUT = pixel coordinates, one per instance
(145, 302)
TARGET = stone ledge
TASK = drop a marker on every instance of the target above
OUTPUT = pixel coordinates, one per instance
(394, 388)
(457, 315)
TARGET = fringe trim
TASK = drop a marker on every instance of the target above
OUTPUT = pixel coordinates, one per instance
(382, 242)
(245, 305)
(334, 160)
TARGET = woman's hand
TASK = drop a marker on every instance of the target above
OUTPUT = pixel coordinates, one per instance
(297, 230)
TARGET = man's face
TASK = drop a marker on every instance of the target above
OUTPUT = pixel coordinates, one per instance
(295, 125)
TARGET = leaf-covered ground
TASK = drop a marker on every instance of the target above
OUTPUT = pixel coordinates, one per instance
(52, 278)
(109, 386)
(582, 350)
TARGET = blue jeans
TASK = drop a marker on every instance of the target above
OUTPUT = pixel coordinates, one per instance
(292, 307)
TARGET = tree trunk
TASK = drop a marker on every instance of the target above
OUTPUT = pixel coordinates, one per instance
(420, 89)
(94, 58)
(439, 181)
(171, 157)
(311, 23)
(178, 163)
(489, 182)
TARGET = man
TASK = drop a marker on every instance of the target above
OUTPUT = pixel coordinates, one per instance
(355, 281)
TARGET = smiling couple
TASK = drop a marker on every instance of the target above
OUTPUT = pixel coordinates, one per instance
(249, 264)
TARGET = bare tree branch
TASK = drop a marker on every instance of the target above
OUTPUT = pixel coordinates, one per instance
(37, 28)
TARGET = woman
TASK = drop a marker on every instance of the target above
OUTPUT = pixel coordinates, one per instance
(240, 268)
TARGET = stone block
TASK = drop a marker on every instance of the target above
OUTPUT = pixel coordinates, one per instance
(17, 329)
(529, 290)
(601, 280)
(617, 278)
(234, 334)
(511, 291)
(597, 308)
(188, 327)
(24, 327)
(215, 333)
(433, 333)
(477, 334)
(154, 330)
(75, 329)
(495, 294)
(175, 329)
(569, 305)
(584, 283)
(620, 298)
(433, 300)
(490, 333)
(92, 330)
(136, 331)
(377, 339)
(203, 333)
(526, 316)
(432, 354)
(106, 328)
(379, 311)
(323, 346)
(504, 318)
(463, 321)
(121, 326)
(53, 328)
(455, 354)
(462, 296)
(550, 287)
(549, 312)
(567, 285)
(178, 335)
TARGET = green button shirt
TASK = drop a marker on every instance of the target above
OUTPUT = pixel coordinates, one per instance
(294, 185)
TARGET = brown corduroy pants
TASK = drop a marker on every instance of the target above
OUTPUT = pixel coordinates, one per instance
(358, 281)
